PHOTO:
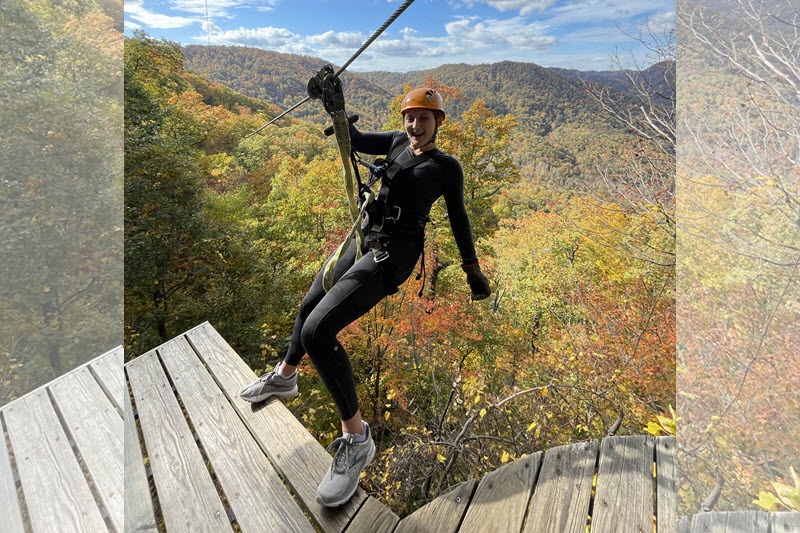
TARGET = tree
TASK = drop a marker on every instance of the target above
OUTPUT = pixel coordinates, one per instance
(738, 370)
(60, 106)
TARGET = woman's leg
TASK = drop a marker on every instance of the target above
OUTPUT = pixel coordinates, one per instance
(296, 350)
(355, 293)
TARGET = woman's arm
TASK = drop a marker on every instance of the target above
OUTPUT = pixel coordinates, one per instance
(374, 143)
(457, 213)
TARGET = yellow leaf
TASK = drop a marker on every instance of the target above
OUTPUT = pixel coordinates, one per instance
(441, 458)
(505, 458)
(483, 413)
(544, 391)
(533, 425)
(386, 415)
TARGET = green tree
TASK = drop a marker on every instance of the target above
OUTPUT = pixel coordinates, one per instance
(60, 185)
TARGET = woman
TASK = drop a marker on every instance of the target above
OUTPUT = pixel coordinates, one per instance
(420, 174)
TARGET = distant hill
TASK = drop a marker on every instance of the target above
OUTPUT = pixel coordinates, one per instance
(558, 126)
(281, 79)
(542, 99)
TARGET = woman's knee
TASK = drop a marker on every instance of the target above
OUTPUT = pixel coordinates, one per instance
(314, 338)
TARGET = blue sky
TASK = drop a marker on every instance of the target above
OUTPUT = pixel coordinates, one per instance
(581, 34)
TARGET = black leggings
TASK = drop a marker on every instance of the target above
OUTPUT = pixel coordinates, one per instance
(357, 289)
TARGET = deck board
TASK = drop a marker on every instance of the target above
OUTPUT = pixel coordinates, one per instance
(254, 490)
(566, 477)
(373, 517)
(502, 497)
(56, 493)
(291, 448)
(442, 515)
(666, 475)
(11, 518)
(188, 499)
(108, 368)
(624, 492)
(784, 522)
(709, 523)
(747, 522)
(139, 513)
(97, 429)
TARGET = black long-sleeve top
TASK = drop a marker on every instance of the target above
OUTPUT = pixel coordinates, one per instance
(415, 189)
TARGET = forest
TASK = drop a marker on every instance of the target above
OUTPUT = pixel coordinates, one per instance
(578, 339)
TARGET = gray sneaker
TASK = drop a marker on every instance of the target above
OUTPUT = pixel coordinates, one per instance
(341, 481)
(270, 384)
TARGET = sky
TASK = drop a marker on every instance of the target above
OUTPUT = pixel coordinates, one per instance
(579, 34)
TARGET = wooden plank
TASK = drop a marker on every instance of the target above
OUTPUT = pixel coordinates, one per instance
(502, 497)
(11, 517)
(97, 429)
(292, 449)
(747, 522)
(683, 525)
(56, 493)
(373, 517)
(139, 514)
(186, 494)
(255, 492)
(442, 515)
(666, 475)
(561, 498)
(709, 522)
(108, 368)
(784, 522)
(624, 492)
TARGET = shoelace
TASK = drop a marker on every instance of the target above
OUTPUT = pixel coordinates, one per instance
(342, 457)
(269, 377)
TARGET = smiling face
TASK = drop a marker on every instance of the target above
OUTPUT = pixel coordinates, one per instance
(420, 125)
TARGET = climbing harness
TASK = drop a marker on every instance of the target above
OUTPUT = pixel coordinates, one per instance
(376, 215)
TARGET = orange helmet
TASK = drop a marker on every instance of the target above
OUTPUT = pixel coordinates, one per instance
(423, 98)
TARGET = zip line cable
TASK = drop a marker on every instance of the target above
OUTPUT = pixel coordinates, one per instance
(364, 46)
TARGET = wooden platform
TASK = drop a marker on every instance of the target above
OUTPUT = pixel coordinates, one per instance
(217, 462)
(741, 522)
(61, 458)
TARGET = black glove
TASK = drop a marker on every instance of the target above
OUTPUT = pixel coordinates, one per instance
(477, 281)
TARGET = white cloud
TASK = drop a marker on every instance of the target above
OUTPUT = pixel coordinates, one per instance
(132, 26)
(516, 32)
(220, 8)
(216, 8)
(135, 10)
(525, 7)
(398, 47)
(602, 11)
(279, 39)
(333, 39)
(661, 23)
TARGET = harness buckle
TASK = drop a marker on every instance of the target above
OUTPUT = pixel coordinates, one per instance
(380, 255)
(389, 211)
